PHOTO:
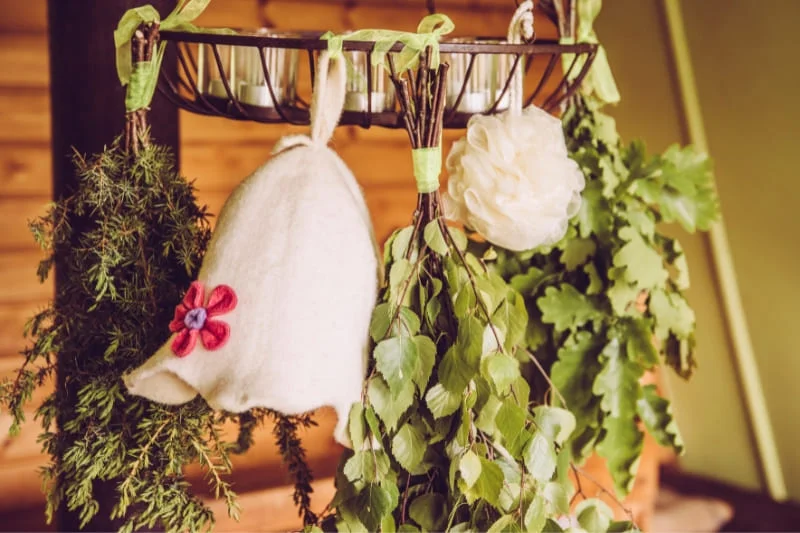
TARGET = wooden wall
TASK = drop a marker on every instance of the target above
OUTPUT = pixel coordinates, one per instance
(217, 153)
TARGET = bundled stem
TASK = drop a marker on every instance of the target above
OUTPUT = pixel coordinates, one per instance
(422, 109)
(143, 46)
(422, 112)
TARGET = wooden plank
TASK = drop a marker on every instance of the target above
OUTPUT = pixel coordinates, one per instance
(25, 118)
(390, 206)
(13, 318)
(260, 467)
(24, 60)
(219, 167)
(17, 213)
(272, 509)
(25, 55)
(28, 16)
(25, 170)
(204, 129)
(442, 6)
(22, 448)
(232, 14)
(24, 115)
(21, 484)
(474, 20)
(31, 16)
(25, 445)
(20, 284)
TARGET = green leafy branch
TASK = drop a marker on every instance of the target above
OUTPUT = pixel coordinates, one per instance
(448, 434)
(606, 304)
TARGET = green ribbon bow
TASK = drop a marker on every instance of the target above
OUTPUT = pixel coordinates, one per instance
(429, 32)
(142, 78)
(599, 81)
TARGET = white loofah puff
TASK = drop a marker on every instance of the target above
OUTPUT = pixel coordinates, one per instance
(512, 181)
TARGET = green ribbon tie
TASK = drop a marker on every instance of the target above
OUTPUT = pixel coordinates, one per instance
(142, 78)
(427, 167)
(429, 32)
(599, 81)
(141, 85)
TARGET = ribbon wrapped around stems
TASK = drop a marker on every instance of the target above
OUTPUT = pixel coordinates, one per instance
(429, 32)
(141, 78)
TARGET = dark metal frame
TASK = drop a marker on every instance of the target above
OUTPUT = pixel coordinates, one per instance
(180, 86)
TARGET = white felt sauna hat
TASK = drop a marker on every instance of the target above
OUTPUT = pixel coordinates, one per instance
(279, 315)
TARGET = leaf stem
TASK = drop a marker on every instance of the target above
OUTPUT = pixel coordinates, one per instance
(546, 377)
(579, 471)
(474, 285)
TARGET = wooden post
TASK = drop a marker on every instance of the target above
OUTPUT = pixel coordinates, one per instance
(88, 112)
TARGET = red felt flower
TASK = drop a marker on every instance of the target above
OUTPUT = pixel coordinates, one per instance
(192, 319)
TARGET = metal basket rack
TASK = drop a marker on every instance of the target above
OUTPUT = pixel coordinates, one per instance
(545, 84)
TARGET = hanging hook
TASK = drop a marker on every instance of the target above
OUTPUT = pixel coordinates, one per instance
(431, 6)
(521, 26)
(519, 30)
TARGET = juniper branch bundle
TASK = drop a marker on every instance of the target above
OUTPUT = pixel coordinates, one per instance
(127, 244)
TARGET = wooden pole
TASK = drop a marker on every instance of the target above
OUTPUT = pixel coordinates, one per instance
(87, 113)
(743, 351)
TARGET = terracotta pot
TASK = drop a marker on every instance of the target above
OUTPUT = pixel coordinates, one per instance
(641, 501)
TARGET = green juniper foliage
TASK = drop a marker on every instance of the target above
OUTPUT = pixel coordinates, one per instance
(127, 243)
(293, 455)
(447, 436)
(606, 303)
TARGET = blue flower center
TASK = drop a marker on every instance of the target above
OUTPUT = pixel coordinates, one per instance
(195, 318)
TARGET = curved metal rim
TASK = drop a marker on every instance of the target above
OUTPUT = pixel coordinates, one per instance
(311, 41)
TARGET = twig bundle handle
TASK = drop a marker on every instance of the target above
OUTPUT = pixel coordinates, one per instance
(141, 80)
(422, 104)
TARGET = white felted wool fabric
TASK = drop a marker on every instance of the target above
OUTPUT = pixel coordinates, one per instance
(294, 244)
(512, 181)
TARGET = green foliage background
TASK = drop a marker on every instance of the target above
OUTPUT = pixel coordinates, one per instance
(607, 304)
